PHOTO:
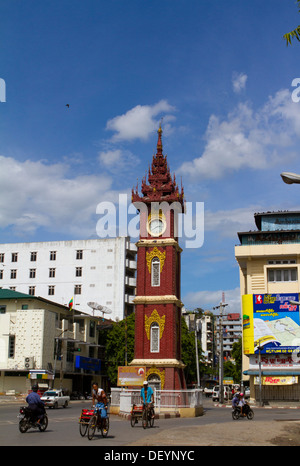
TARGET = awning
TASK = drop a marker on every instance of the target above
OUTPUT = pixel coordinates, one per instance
(269, 372)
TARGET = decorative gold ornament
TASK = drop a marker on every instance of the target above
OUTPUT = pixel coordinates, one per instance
(161, 375)
(155, 317)
(155, 253)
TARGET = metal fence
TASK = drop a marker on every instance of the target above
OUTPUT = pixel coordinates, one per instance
(170, 399)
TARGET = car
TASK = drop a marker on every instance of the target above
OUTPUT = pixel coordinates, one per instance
(247, 392)
(215, 393)
(55, 398)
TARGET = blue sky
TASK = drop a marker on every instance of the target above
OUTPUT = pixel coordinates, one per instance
(218, 73)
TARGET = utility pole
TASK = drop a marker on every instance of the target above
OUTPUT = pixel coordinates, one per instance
(221, 360)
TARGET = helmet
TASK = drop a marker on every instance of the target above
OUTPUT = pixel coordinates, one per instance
(241, 394)
(35, 388)
(145, 382)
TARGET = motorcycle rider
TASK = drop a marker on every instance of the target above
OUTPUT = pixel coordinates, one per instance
(235, 400)
(35, 404)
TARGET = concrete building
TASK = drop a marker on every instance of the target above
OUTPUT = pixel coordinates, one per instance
(269, 261)
(39, 338)
(94, 270)
(232, 332)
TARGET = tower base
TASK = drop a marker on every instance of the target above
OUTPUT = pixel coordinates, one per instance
(167, 373)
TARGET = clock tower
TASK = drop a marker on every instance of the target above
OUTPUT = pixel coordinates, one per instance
(158, 301)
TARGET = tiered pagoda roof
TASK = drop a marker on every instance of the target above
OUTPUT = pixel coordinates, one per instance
(161, 186)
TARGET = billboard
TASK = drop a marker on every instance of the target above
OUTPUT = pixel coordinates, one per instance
(131, 375)
(90, 364)
(271, 322)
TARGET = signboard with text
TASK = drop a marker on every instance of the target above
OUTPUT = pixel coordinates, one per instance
(131, 375)
(271, 322)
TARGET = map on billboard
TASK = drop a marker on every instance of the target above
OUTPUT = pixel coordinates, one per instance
(271, 322)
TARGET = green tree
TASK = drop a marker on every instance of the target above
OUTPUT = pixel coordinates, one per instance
(295, 33)
(115, 347)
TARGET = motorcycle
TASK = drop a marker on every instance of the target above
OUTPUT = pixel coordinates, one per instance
(28, 420)
(236, 413)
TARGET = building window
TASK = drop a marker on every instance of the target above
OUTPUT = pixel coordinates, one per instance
(13, 273)
(92, 328)
(32, 273)
(52, 255)
(51, 290)
(154, 338)
(78, 272)
(2, 309)
(77, 289)
(11, 346)
(51, 273)
(282, 275)
(275, 262)
(2, 257)
(155, 272)
(31, 290)
(33, 256)
(70, 351)
(79, 254)
(14, 257)
(1, 274)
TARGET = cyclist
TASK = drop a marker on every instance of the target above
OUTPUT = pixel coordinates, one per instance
(147, 396)
(100, 401)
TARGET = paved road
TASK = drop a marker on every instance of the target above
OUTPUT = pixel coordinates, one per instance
(215, 427)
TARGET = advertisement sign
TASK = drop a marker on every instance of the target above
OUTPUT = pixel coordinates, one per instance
(90, 364)
(130, 375)
(269, 380)
(271, 322)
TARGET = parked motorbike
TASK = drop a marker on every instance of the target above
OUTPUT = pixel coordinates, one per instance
(28, 420)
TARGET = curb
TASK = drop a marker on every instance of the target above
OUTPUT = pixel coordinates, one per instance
(260, 407)
(157, 416)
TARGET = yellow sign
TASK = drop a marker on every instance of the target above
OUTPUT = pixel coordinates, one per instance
(248, 327)
(131, 376)
(274, 380)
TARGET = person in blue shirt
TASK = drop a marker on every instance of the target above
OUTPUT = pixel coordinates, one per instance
(147, 396)
(35, 404)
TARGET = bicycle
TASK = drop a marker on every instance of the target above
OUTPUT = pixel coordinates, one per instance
(98, 422)
(148, 415)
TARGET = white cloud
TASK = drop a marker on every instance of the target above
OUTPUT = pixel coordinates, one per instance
(248, 139)
(36, 194)
(209, 299)
(139, 122)
(229, 222)
(239, 82)
(117, 160)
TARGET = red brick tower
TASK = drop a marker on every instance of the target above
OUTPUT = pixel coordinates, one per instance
(157, 301)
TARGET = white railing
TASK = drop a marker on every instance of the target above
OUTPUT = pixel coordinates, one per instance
(163, 399)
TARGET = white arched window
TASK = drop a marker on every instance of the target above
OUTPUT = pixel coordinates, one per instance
(154, 337)
(155, 272)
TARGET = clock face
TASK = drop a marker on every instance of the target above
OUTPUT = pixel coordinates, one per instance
(156, 226)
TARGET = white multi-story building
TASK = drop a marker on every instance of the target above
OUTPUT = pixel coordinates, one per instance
(43, 342)
(94, 270)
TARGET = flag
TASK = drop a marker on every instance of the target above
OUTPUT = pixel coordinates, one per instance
(71, 304)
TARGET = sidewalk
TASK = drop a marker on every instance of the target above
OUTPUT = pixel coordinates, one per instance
(266, 405)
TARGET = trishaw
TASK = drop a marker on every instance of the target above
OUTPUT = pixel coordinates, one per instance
(143, 412)
(84, 420)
